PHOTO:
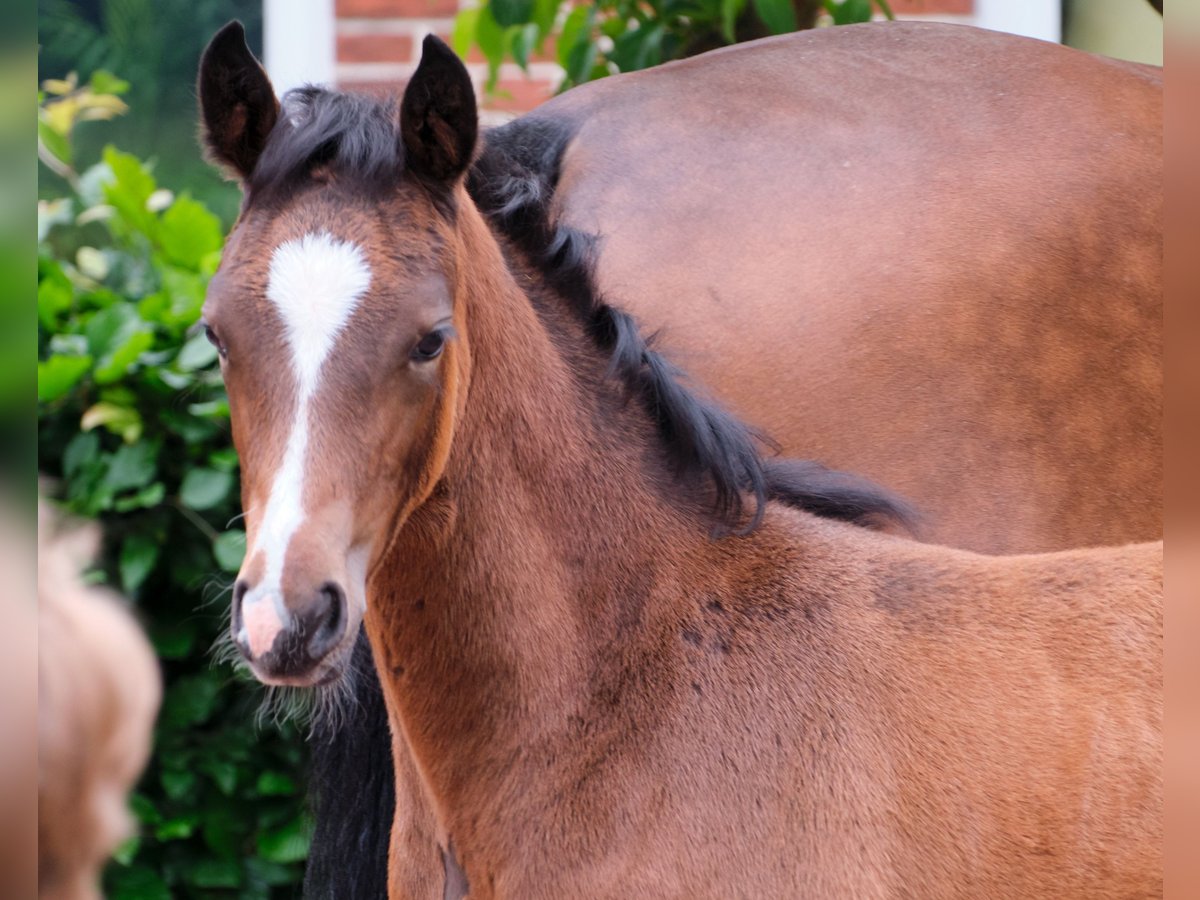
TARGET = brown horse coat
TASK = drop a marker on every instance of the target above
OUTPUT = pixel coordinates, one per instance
(927, 253)
(607, 704)
(546, 611)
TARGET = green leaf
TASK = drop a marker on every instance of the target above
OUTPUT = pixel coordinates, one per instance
(511, 12)
(177, 828)
(116, 337)
(230, 549)
(55, 294)
(205, 488)
(573, 31)
(638, 48)
(212, 409)
(524, 39)
(730, 10)
(223, 773)
(139, 553)
(143, 809)
(185, 291)
(216, 873)
(173, 640)
(286, 844)
(223, 458)
(778, 15)
(82, 450)
(132, 466)
(103, 82)
(190, 700)
(138, 883)
(57, 144)
(850, 12)
(492, 41)
(544, 14)
(197, 353)
(462, 38)
(274, 784)
(59, 374)
(188, 232)
(577, 48)
(131, 187)
(147, 497)
(177, 784)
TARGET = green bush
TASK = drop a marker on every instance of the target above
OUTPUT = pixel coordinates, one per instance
(133, 428)
(603, 37)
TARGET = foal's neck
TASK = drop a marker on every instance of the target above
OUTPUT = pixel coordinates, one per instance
(537, 555)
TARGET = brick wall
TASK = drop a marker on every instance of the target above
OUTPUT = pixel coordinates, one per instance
(378, 42)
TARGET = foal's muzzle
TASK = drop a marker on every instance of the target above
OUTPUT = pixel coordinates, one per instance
(288, 641)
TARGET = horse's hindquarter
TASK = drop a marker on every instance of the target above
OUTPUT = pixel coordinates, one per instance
(930, 255)
(1026, 698)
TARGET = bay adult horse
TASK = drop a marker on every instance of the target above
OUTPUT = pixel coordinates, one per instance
(590, 695)
(928, 253)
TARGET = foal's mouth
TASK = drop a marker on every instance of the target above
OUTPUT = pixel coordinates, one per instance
(330, 670)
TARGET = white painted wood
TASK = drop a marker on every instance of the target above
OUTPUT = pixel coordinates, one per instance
(299, 41)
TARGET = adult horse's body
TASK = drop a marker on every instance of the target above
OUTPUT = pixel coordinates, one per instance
(588, 695)
(928, 253)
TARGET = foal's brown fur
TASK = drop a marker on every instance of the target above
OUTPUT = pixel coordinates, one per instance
(600, 702)
(588, 695)
(591, 697)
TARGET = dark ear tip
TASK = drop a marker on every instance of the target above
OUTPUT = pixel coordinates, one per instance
(436, 47)
(232, 32)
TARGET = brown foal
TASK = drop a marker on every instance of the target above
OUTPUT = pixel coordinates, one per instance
(589, 695)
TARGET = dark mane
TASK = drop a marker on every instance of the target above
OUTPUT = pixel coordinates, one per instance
(513, 183)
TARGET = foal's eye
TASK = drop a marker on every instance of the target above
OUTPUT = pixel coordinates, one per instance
(429, 347)
(213, 339)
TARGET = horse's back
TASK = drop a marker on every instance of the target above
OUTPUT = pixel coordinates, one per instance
(930, 254)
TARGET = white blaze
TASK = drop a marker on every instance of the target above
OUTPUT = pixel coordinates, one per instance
(315, 284)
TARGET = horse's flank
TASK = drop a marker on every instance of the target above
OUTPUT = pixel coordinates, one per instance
(928, 254)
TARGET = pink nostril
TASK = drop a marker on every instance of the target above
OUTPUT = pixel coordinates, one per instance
(262, 624)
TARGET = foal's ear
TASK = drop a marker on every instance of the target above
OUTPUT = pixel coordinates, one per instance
(238, 108)
(438, 119)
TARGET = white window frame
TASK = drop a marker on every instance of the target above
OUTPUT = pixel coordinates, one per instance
(299, 43)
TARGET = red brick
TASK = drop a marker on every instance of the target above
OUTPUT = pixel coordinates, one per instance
(519, 94)
(355, 48)
(395, 9)
(374, 88)
(931, 7)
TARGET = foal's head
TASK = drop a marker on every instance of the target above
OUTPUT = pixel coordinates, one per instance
(334, 314)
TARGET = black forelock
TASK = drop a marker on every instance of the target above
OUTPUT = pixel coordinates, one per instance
(353, 135)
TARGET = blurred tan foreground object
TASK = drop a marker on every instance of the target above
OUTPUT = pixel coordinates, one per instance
(98, 693)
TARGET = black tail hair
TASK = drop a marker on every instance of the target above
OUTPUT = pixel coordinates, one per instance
(352, 793)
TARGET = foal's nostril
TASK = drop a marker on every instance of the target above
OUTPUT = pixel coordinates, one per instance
(332, 623)
(235, 620)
